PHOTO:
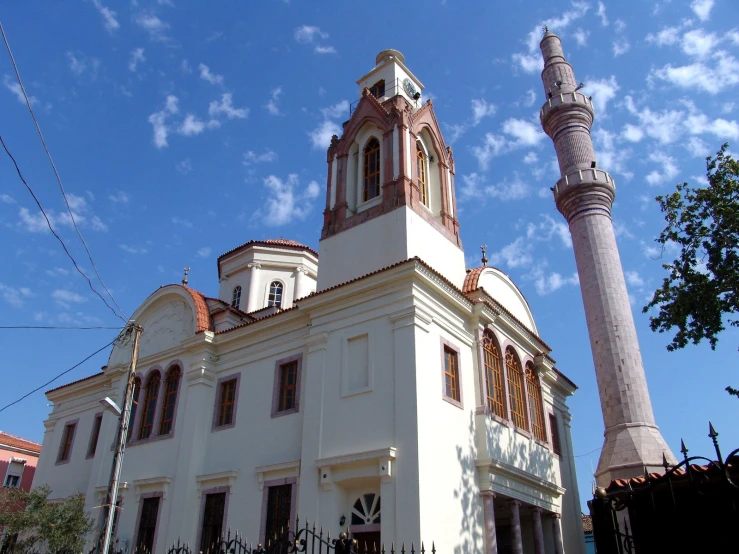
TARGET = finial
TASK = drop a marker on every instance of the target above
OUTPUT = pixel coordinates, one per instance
(546, 29)
(484, 247)
(683, 448)
(187, 272)
(711, 431)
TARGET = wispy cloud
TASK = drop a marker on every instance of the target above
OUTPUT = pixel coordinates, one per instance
(137, 57)
(182, 222)
(207, 75)
(133, 249)
(517, 133)
(109, 16)
(204, 252)
(35, 222)
(272, 105)
(251, 157)
(159, 120)
(119, 197)
(481, 109)
(667, 169)
(184, 166)
(320, 137)
(7, 199)
(226, 107)
(65, 298)
(286, 200)
(79, 64)
(14, 296)
(310, 34)
(702, 8)
(155, 27)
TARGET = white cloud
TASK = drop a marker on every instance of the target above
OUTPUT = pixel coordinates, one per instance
(516, 254)
(15, 88)
(546, 228)
(66, 297)
(7, 199)
(633, 278)
(602, 14)
(78, 65)
(83, 216)
(182, 222)
(455, 132)
(191, 125)
(632, 133)
(133, 249)
(210, 77)
(340, 109)
(481, 109)
(320, 137)
(306, 34)
(525, 132)
(620, 47)
(698, 43)
(156, 28)
(14, 296)
(530, 158)
(509, 189)
(286, 202)
(324, 49)
(271, 105)
(702, 8)
(718, 73)
(529, 63)
(663, 126)
(697, 147)
(204, 252)
(547, 284)
(225, 107)
(668, 171)
(581, 37)
(185, 67)
(492, 146)
(668, 36)
(57, 272)
(137, 57)
(530, 98)
(602, 91)
(184, 166)
(159, 119)
(119, 197)
(611, 155)
(251, 157)
(109, 16)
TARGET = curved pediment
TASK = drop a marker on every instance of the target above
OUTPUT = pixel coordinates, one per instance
(500, 287)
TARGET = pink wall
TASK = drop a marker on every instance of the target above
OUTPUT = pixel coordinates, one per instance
(7, 453)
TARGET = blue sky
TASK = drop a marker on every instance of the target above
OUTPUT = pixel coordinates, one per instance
(182, 129)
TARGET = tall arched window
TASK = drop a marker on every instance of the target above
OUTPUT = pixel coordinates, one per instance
(533, 387)
(236, 297)
(371, 185)
(423, 182)
(493, 374)
(515, 389)
(275, 294)
(171, 385)
(134, 407)
(151, 393)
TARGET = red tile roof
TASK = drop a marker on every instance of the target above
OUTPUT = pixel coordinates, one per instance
(18, 442)
(470, 280)
(587, 524)
(204, 321)
(282, 243)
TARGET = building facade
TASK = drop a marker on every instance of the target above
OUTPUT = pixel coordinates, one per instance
(18, 460)
(391, 391)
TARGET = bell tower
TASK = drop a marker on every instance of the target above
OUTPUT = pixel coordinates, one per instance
(584, 195)
(390, 186)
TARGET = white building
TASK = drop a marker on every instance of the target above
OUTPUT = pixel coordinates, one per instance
(391, 389)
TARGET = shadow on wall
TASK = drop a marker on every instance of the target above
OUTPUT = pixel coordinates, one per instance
(470, 532)
(519, 451)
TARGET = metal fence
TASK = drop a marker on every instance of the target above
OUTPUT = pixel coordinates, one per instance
(691, 507)
(305, 538)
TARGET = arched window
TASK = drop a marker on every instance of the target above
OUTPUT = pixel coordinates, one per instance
(533, 387)
(423, 185)
(236, 297)
(151, 393)
(171, 385)
(493, 374)
(275, 294)
(366, 510)
(515, 389)
(134, 406)
(371, 186)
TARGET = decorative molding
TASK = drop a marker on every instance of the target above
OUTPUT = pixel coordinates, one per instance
(218, 479)
(277, 471)
(152, 484)
(368, 464)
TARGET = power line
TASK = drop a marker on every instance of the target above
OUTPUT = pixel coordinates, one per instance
(60, 375)
(49, 327)
(64, 246)
(56, 173)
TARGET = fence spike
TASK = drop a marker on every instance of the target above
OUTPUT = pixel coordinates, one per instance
(382, 548)
(413, 548)
(402, 548)
(392, 547)
(665, 463)
(714, 437)
(683, 449)
(433, 547)
(423, 550)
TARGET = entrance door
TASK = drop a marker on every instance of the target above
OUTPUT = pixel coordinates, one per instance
(365, 523)
(367, 541)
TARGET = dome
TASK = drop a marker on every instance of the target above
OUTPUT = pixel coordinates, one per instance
(500, 287)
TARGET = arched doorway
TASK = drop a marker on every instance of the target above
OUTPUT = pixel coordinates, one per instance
(365, 522)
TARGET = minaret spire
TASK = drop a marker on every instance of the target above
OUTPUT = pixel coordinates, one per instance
(584, 195)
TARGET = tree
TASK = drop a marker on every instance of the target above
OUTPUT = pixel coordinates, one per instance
(59, 527)
(701, 292)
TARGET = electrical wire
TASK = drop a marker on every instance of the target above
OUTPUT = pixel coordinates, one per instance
(49, 327)
(121, 313)
(60, 375)
(64, 246)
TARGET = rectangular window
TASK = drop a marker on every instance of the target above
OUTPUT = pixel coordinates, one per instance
(210, 534)
(228, 402)
(556, 444)
(97, 422)
(279, 501)
(451, 374)
(65, 448)
(12, 481)
(288, 386)
(147, 524)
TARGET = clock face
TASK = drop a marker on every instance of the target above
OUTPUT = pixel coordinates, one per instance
(409, 87)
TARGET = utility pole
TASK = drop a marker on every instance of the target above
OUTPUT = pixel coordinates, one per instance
(106, 529)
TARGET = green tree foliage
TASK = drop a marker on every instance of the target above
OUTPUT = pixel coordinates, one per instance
(701, 292)
(56, 526)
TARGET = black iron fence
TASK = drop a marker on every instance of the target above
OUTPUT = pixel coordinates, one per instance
(305, 538)
(691, 507)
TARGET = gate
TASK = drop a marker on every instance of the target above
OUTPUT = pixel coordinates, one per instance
(305, 538)
(692, 507)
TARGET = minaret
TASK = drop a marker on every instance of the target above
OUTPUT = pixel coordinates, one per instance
(584, 195)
